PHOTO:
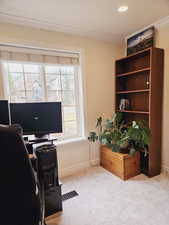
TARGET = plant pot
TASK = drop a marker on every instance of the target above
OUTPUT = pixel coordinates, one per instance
(124, 150)
(120, 164)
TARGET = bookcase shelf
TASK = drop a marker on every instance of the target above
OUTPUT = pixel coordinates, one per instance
(139, 79)
(134, 54)
(132, 91)
(133, 72)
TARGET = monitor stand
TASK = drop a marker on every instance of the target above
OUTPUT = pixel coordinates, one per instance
(41, 136)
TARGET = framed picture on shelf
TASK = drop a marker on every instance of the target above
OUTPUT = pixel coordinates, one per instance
(124, 104)
(140, 41)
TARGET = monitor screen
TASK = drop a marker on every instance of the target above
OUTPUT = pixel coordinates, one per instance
(37, 118)
(4, 112)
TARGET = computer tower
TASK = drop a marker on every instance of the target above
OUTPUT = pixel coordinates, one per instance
(47, 164)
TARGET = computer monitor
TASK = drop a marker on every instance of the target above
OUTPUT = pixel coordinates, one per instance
(37, 118)
(4, 112)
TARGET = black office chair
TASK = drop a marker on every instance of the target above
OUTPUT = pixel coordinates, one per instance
(19, 194)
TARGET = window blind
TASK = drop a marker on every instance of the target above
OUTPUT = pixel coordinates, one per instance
(37, 55)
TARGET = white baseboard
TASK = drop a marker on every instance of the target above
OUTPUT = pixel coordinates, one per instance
(78, 167)
(85, 165)
(74, 169)
(165, 169)
(95, 162)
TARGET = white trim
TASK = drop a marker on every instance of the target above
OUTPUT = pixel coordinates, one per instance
(95, 162)
(88, 164)
(83, 92)
(38, 50)
(6, 91)
(70, 141)
(38, 23)
(165, 169)
(78, 99)
(51, 26)
(38, 63)
(63, 172)
(84, 104)
(79, 106)
(74, 169)
(162, 22)
(35, 23)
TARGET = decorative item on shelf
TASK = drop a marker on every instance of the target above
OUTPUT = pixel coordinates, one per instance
(124, 104)
(120, 136)
(140, 41)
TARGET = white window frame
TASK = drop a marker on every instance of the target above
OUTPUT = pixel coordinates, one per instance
(79, 97)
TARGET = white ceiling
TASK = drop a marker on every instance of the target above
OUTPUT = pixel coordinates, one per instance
(91, 18)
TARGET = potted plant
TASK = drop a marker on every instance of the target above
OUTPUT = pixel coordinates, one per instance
(120, 137)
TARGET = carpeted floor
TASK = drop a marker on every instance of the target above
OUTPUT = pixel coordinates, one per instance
(104, 199)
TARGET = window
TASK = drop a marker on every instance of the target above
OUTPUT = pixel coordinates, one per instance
(33, 82)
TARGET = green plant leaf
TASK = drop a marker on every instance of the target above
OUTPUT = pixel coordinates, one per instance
(99, 122)
(104, 141)
(93, 136)
(114, 147)
(116, 134)
(109, 124)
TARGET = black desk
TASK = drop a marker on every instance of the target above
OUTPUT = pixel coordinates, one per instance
(29, 143)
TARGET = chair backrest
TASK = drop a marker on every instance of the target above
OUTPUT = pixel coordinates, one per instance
(19, 202)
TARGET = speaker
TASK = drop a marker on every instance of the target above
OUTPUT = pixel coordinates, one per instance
(4, 112)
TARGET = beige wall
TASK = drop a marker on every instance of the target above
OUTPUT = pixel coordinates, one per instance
(162, 41)
(98, 69)
(99, 93)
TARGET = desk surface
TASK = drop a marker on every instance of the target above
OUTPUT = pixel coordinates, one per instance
(40, 140)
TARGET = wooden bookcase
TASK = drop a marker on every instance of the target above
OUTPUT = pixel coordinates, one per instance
(139, 78)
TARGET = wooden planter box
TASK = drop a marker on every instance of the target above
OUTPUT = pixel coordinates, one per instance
(122, 165)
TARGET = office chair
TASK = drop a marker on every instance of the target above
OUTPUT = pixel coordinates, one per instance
(19, 194)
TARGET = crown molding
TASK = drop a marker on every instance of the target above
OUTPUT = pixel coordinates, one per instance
(22, 20)
(73, 30)
(43, 24)
(162, 22)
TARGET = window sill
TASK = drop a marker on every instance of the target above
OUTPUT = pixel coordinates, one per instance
(70, 141)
